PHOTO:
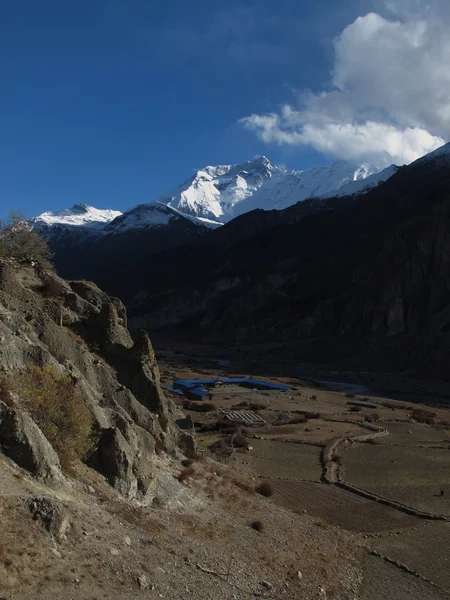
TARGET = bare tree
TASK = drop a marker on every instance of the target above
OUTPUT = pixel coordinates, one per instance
(19, 241)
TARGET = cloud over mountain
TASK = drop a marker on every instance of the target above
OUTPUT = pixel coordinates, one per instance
(388, 99)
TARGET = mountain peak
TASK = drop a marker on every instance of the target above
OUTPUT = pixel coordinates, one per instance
(80, 215)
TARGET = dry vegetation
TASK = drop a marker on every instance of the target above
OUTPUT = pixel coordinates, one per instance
(57, 405)
(20, 242)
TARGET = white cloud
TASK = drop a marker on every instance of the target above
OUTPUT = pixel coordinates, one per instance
(389, 96)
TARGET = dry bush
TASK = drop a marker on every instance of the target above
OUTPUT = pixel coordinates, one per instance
(194, 455)
(423, 416)
(51, 287)
(350, 395)
(239, 441)
(185, 474)
(386, 404)
(355, 409)
(257, 406)
(298, 420)
(313, 398)
(59, 408)
(372, 417)
(159, 447)
(257, 525)
(74, 336)
(265, 489)
(242, 485)
(187, 462)
(322, 524)
(198, 406)
(5, 393)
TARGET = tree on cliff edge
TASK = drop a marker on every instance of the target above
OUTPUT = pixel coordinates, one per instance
(19, 241)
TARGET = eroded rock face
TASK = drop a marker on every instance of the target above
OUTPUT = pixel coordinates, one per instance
(24, 443)
(79, 330)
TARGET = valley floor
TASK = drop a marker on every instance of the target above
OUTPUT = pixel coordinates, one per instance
(210, 536)
(389, 491)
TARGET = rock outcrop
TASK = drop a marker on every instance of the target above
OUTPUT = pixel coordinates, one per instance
(77, 329)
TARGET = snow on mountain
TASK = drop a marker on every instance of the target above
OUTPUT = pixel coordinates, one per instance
(227, 191)
(361, 186)
(155, 214)
(79, 216)
(215, 195)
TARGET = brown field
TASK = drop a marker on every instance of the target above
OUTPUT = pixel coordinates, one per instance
(383, 581)
(287, 461)
(339, 507)
(408, 549)
(423, 497)
(419, 434)
(376, 465)
(315, 430)
(404, 466)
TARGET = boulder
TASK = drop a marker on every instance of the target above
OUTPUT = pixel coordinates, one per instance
(24, 443)
(52, 515)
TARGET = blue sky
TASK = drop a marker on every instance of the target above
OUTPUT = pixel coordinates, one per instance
(112, 102)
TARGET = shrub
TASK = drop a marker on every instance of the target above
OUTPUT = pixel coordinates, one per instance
(321, 523)
(348, 395)
(74, 336)
(257, 526)
(185, 474)
(245, 487)
(355, 409)
(159, 447)
(256, 406)
(313, 398)
(19, 241)
(423, 416)
(265, 489)
(198, 406)
(298, 420)
(187, 462)
(239, 441)
(372, 417)
(59, 408)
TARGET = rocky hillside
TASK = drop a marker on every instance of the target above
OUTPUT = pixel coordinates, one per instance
(76, 330)
(129, 519)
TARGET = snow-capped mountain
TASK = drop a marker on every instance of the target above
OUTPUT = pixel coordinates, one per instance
(215, 195)
(79, 216)
(156, 214)
(361, 186)
(224, 192)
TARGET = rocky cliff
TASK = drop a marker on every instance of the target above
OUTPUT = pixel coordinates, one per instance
(79, 331)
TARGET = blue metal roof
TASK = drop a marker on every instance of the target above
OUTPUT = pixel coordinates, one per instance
(197, 386)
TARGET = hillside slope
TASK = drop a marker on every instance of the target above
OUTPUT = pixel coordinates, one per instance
(123, 523)
(368, 273)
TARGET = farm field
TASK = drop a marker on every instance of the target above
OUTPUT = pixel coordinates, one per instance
(285, 460)
(411, 465)
(381, 579)
(379, 465)
(315, 430)
(339, 507)
(418, 434)
(408, 549)
(423, 497)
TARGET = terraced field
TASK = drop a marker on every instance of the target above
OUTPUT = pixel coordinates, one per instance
(377, 465)
(408, 549)
(338, 507)
(414, 434)
(285, 460)
(383, 581)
